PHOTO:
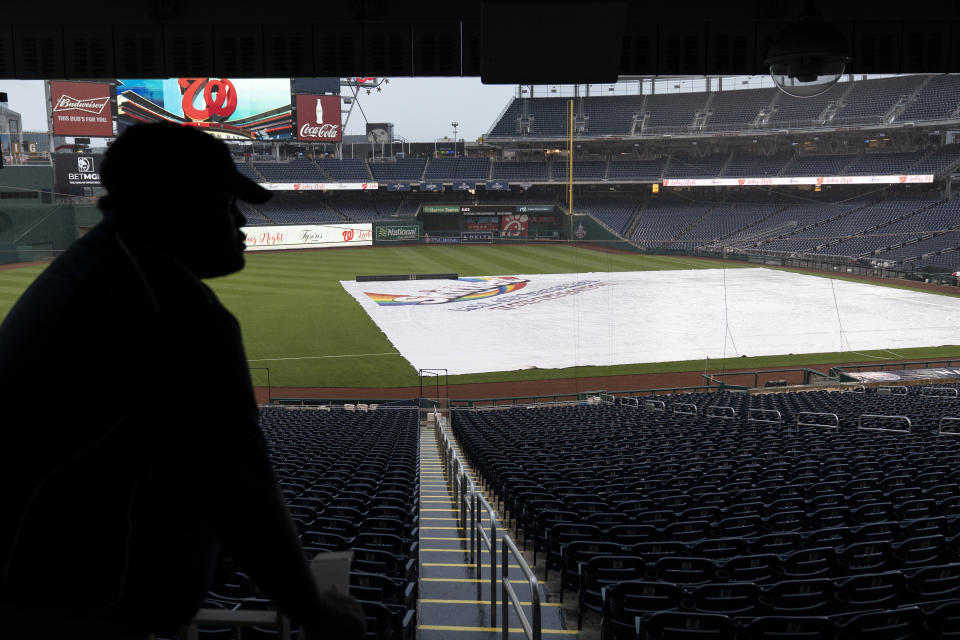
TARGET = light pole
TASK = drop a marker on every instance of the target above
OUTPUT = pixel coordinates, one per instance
(454, 125)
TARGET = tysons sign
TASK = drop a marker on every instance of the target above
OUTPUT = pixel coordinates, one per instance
(315, 236)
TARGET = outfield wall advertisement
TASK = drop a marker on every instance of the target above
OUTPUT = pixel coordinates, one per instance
(546, 321)
(319, 186)
(393, 232)
(811, 180)
(312, 236)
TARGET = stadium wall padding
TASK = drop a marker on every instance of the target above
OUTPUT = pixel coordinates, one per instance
(586, 230)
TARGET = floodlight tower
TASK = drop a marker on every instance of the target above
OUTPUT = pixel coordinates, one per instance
(454, 125)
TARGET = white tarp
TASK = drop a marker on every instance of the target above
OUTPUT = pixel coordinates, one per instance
(563, 320)
(308, 236)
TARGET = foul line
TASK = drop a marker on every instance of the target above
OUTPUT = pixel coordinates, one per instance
(345, 355)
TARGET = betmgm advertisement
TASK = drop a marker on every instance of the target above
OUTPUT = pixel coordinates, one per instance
(237, 109)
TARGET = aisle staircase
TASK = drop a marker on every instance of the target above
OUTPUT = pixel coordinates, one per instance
(455, 602)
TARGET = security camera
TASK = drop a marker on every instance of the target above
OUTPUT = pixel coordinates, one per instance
(808, 57)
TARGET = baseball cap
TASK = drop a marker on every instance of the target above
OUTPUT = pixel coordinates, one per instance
(169, 160)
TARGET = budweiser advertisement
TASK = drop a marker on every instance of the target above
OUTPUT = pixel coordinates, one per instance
(81, 108)
(318, 118)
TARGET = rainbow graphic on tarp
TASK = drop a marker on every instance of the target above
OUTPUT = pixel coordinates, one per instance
(460, 290)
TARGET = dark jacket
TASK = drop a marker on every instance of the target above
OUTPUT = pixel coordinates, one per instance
(128, 417)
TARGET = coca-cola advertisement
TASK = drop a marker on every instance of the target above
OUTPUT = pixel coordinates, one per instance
(318, 118)
(81, 108)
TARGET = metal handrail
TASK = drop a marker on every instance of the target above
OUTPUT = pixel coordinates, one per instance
(677, 405)
(835, 425)
(655, 405)
(472, 502)
(924, 394)
(532, 630)
(711, 413)
(948, 420)
(762, 412)
(873, 415)
(892, 390)
(489, 541)
(237, 620)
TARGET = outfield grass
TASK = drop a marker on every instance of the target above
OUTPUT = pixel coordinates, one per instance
(298, 321)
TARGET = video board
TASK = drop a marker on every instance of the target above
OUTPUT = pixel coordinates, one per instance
(239, 108)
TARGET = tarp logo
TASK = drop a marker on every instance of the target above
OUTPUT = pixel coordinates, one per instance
(347, 235)
(464, 289)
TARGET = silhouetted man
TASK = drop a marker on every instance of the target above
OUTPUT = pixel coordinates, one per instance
(130, 447)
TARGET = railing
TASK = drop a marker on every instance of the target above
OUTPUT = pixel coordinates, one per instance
(236, 620)
(472, 503)
(892, 391)
(684, 408)
(531, 630)
(948, 420)
(721, 411)
(833, 424)
(768, 416)
(885, 419)
(939, 392)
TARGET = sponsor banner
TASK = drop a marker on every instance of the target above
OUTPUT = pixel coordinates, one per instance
(314, 236)
(441, 239)
(239, 108)
(497, 185)
(460, 185)
(431, 186)
(398, 186)
(81, 108)
(535, 208)
(483, 226)
(78, 170)
(515, 225)
(611, 318)
(319, 186)
(318, 118)
(443, 208)
(543, 219)
(380, 132)
(478, 236)
(396, 233)
(903, 375)
(814, 180)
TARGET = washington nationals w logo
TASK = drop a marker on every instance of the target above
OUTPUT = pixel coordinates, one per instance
(219, 98)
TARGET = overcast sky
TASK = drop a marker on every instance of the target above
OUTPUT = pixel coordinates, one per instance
(421, 109)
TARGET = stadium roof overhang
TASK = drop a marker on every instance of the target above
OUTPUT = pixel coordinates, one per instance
(536, 42)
